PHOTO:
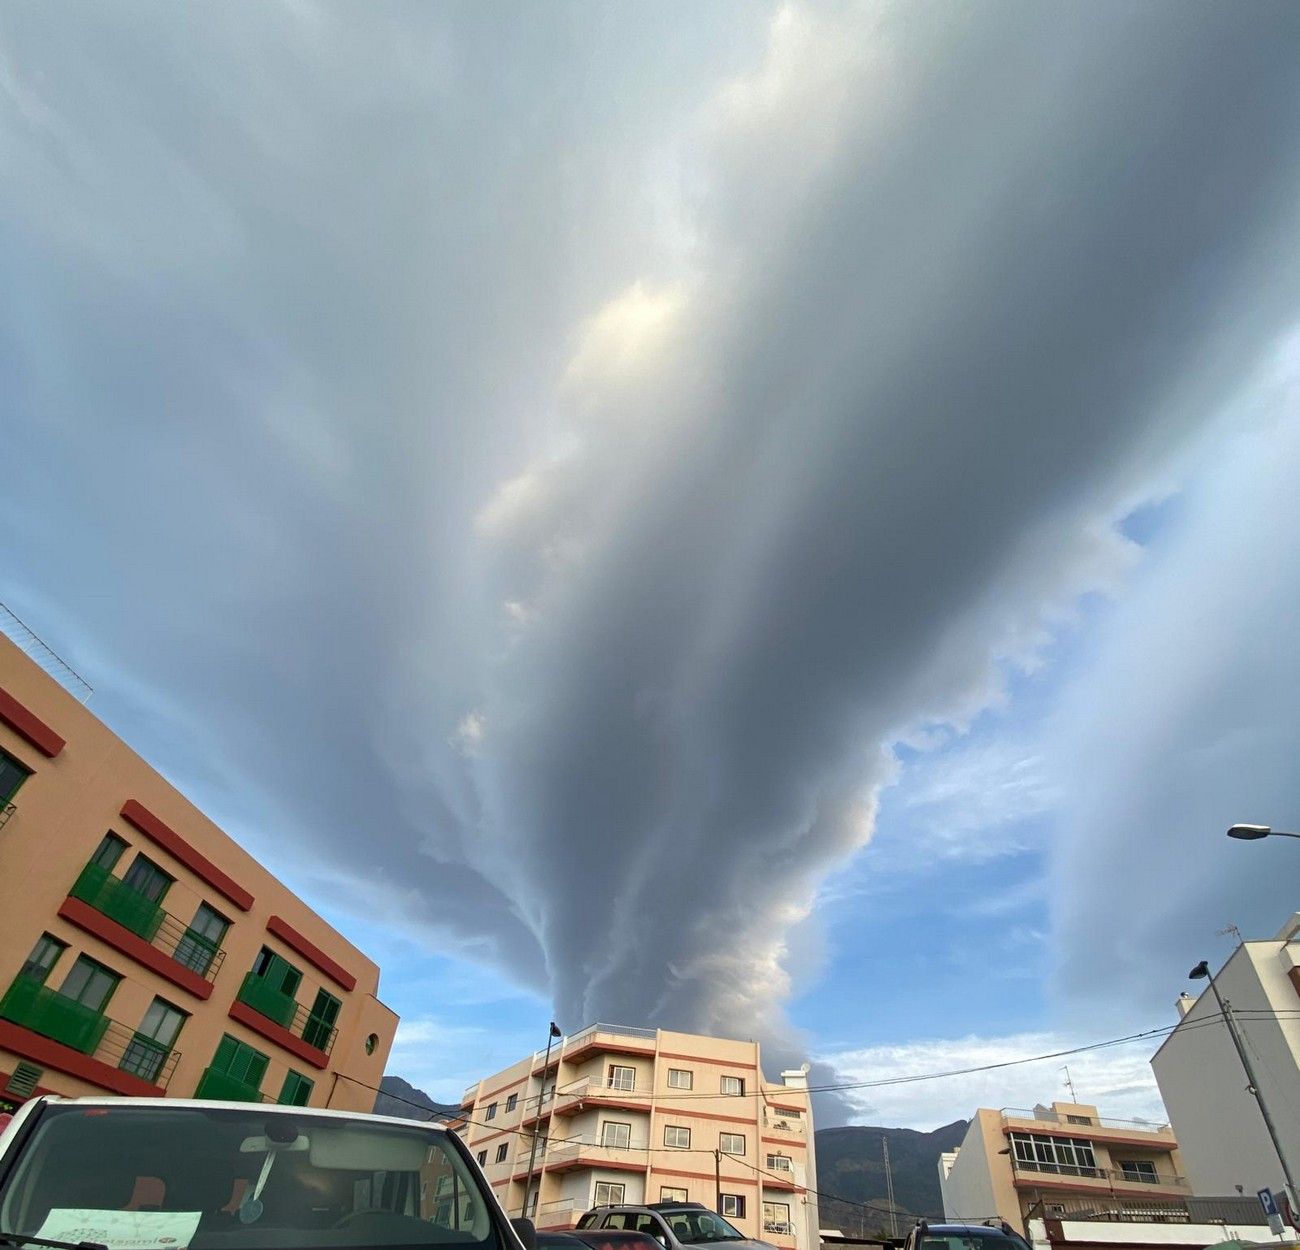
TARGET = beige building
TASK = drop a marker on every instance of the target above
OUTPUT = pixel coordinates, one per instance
(1061, 1162)
(1202, 1082)
(141, 951)
(645, 1115)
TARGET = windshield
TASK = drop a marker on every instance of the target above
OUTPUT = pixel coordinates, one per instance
(163, 1178)
(701, 1227)
(971, 1240)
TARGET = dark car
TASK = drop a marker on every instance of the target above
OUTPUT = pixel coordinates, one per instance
(994, 1235)
(674, 1225)
(597, 1239)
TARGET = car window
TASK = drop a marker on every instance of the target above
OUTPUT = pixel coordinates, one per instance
(241, 1180)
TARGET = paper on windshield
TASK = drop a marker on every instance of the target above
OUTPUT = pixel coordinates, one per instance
(122, 1230)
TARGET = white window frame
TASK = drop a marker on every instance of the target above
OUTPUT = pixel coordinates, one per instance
(733, 1086)
(774, 1221)
(670, 1193)
(676, 1081)
(677, 1130)
(605, 1134)
(733, 1206)
(1143, 1171)
(780, 1163)
(1058, 1156)
(732, 1138)
(615, 1194)
(621, 1078)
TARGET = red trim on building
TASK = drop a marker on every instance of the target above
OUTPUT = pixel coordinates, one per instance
(616, 1165)
(784, 1141)
(785, 1186)
(278, 1034)
(603, 1048)
(28, 726)
(500, 1089)
(590, 1102)
(311, 953)
(704, 1115)
(705, 1176)
(61, 1058)
(717, 1063)
(176, 846)
(120, 938)
(1102, 1187)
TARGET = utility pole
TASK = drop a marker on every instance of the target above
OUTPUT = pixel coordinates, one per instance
(537, 1128)
(717, 1176)
(1202, 970)
(889, 1190)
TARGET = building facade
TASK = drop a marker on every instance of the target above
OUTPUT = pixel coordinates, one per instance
(645, 1115)
(142, 952)
(1201, 1080)
(1065, 1161)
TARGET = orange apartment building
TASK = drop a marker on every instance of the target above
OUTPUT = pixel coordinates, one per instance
(644, 1115)
(1063, 1162)
(141, 951)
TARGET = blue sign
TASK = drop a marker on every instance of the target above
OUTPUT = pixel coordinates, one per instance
(1266, 1201)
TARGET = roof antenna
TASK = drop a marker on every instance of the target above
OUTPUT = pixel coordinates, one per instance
(1230, 928)
(1069, 1084)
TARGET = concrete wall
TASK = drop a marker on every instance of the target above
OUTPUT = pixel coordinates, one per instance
(85, 789)
(1218, 1124)
(968, 1190)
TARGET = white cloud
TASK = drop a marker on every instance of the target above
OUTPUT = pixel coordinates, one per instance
(1117, 1080)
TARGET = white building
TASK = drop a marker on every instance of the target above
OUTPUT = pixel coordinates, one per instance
(1224, 1143)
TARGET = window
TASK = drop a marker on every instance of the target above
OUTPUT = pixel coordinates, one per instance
(45, 954)
(240, 1062)
(734, 1206)
(668, 1194)
(89, 983)
(145, 877)
(147, 1051)
(1078, 1119)
(319, 1029)
(512, 1102)
(481, 1158)
(776, 1217)
(277, 972)
(733, 1085)
(609, 1193)
(296, 1090)
(680, 1078)
(779, 1163)
(622, 1078)
(502, 1151)
(677, 1136)
(202, 940)
(371, 1042)
(12, 776)
(1139, 1170)
(616, 1135)
(108, 852)
(1065, 1156)
(491, 1112)
(731, 1144)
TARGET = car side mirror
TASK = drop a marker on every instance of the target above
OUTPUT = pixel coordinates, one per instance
(526, 1231)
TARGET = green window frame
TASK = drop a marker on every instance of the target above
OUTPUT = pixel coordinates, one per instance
(12, 775)
(296, 1090)
(154, 1040)
(110, 849)
(45, 954)
(239, 1061)
(321, 1019)
(89, 983)
(202, 940)
(145, 877)
(277, 971)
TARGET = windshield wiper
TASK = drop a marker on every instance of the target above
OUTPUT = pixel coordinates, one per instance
(22, 1239)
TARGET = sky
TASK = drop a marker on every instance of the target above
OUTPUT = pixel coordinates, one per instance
(766, 519)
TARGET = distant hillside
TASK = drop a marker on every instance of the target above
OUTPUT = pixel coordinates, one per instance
(850, 1164)
(400, 1098)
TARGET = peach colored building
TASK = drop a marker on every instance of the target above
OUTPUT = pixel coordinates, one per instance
(644, 1115)
(1065, 1161)
(141, 951)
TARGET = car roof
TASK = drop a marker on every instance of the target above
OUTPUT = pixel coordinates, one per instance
(207, 1104)
(982, 1230)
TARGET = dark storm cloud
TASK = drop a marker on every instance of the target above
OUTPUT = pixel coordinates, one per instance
(555, 457)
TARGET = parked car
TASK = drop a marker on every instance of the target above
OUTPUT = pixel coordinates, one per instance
(167, 1174)
(993, 1235)
(674, 1225)
(597, 1239)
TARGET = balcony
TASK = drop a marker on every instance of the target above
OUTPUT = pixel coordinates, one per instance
(63, 1020)
(224, 1088)
(1094, 1178)
(110, 896)
(567, 1155)
(560, 1212)
(605, 1090)
(615, 1038)
(1042, 1117)
(286, 1012)
(6, 810)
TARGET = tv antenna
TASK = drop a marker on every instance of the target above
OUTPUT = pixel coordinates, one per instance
(1069, 1084)
(1229, 928)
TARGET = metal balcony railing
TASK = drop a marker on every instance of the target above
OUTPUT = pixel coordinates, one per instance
(778, 1226)
(111, 896)
(6, 810)
(1113, 1176)
(1106, 1210)
(783, 1121)
(1044, 1116)
(65, 1020)
(286, 1011)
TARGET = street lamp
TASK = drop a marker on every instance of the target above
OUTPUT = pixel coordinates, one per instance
(1202, 973)
(551, 1035)
(1252, 833)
